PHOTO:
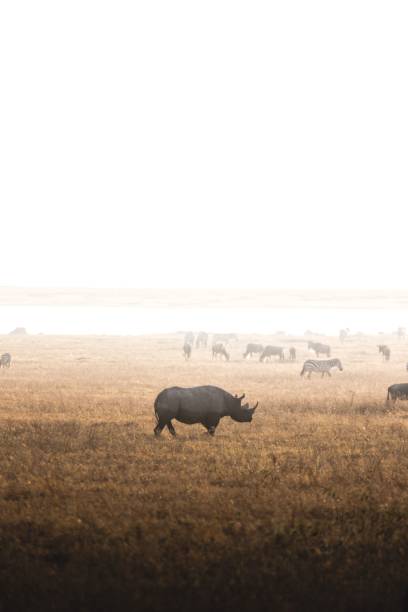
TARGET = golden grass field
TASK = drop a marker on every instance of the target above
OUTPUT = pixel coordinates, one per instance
(306, 508)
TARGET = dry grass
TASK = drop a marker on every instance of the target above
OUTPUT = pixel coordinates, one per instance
(304, 509)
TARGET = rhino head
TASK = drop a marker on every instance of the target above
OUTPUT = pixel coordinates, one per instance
(242, 414)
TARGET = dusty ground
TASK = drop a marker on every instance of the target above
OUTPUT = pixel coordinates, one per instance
(306, 508)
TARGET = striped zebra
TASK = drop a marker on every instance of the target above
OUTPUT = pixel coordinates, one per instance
(321, 365)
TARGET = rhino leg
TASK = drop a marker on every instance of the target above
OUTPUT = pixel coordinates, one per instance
(211, 425)
(171, 428)
(158, 429)
(162, 421)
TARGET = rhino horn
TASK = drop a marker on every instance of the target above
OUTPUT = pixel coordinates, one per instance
(240, 398)
(255, 407)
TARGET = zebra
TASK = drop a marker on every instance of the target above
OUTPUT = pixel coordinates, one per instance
(253, 348)
(272, 350)
(202, 339)
(219, 350)
(187, 350)
(323, 365)
(292, 354)
(318, 348)
(385, 350)
(5, 360)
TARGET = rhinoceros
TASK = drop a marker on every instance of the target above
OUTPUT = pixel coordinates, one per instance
(205, 405)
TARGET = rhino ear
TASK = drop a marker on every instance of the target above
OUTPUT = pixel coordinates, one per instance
(245, 407)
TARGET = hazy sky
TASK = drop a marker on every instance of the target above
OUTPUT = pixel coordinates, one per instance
(204, 143)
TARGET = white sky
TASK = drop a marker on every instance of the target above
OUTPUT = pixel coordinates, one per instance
(203, 143)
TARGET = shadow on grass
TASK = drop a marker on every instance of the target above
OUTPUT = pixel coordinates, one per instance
(85, 569)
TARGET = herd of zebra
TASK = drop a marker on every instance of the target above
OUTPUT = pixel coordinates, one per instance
(265, 353)
(221, 341)
(320, 366)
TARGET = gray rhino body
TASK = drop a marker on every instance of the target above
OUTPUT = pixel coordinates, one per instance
(206, 405)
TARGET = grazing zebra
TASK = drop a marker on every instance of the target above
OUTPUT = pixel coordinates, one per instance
(318, 348)
(292, 354)
(5, 360)
(202, 340)
(189, 338)
(385, 350)
(219, 350)
(253, 348)
(187, 350)
(323, 365)
(272, 350)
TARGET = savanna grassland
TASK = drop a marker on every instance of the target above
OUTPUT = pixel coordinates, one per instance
(306, 508)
